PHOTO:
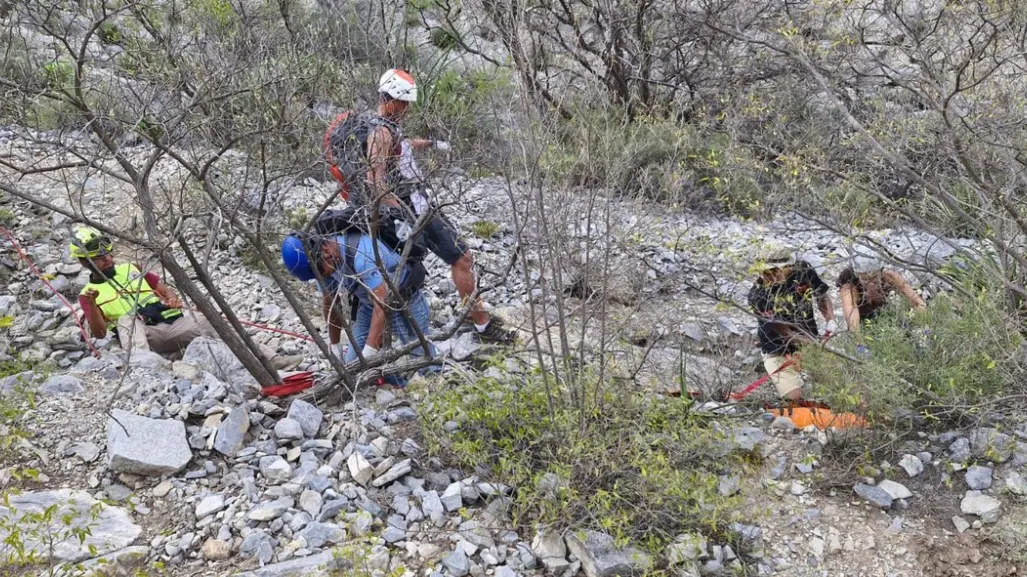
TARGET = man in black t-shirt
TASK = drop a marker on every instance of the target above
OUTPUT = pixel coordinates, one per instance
(783, 298)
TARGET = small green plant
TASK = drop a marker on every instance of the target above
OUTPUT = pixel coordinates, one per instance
(33, 535)
(611, 459)
(296, 218)
(109, 33)
(58, 74)
(444, 39)
(485, 229)
(7, 217)
(956, 353)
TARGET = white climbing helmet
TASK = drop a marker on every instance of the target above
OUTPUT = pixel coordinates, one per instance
(398, 84)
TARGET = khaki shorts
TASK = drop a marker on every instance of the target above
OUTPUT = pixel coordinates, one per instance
(786, 380)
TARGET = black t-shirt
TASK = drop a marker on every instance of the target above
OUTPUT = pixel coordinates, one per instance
(787, 305)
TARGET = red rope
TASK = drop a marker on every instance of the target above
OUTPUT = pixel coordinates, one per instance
(39, 274)
(277, 330)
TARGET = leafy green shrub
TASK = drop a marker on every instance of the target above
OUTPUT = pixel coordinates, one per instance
(957, 353)
(485, 228)
(443, 39)
(464, 106)
(109, 33)
(653, 158)
(641, 469)
(59, 73)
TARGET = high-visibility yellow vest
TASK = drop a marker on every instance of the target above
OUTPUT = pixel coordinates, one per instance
(124, 293)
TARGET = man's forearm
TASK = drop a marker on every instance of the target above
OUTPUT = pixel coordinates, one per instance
(420, 144)
(826, 307)
(374, 334)
(332, 318)
(96, 322)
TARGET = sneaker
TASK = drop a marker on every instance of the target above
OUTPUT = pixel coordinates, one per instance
(495, 333)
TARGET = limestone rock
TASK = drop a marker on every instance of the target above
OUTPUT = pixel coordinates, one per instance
(600, 558)
(146, 446)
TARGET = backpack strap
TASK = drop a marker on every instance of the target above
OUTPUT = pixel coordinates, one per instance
(352, 242)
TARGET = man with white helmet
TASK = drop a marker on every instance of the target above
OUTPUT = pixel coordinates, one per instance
(376, 170)
(864, 289)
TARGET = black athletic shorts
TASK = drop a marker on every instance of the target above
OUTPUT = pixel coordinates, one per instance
(442, 239)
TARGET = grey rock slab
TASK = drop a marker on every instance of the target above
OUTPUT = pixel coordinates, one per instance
(874, 495)
(331, 509)
(912, 465)
(895, 490)
(110, 528)
(288, 430)
(504, 571)
(308, 416)
(209, 505)
(601, 558)
(457, 563)
(310, 501)
(231, 435)
(984, 506)
(275, 468)
(88, 452)
(1016, 484)
(395, 472)
(433, 508)
(214, 356)
(318, 535)
(549, 544)
(359, 468)
(978, 478)
(144, 446)
(270, 510)
(62, 385)
(452, 497)
(992, 444)
(319, 565)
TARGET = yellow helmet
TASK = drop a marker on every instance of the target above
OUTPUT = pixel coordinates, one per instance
(87, 242)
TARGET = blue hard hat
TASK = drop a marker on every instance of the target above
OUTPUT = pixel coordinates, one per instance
(295, 258)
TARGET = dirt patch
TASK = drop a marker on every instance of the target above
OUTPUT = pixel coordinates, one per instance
(966, 556)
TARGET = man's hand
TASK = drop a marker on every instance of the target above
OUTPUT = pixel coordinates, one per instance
(91, 294)
(830, 328)
(173, 301)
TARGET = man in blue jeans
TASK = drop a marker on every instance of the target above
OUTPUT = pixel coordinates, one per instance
(362, 280)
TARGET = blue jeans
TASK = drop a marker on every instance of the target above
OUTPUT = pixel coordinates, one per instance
(419, 312)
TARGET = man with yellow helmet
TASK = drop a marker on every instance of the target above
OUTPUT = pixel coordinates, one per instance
(145, 313)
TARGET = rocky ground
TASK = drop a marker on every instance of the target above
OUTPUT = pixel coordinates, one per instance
(199, 477)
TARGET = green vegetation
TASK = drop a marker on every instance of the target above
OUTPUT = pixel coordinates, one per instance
(109, 33)
(485, 229)
(955, 354)
(640, 469)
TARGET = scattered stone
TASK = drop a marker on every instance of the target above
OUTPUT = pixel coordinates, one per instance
(209, 505)
(231, 434)
(270, 510)
(1016, 484)
(729, 485)
(161, 490)
(184, 371)
(110, 528)
(983, 506)
(310, 501)
(212, 355)
(686, 549)
(978, 478)
(959, 450)
(395, 472)
(550, 548)
(275, 469)
(457, 563)
(505, 571)
(88, 452)
(331, 509)
(912, 465)
(992, 444)
(216, 550)
(452, 498)
(600, 558)
(874, 495)
(146, 446)
(288, 430)
(323, 563)
(318, 534)
(62, 385)
(308, 416)
(895, 490)
(960, 523)
(359, 469)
